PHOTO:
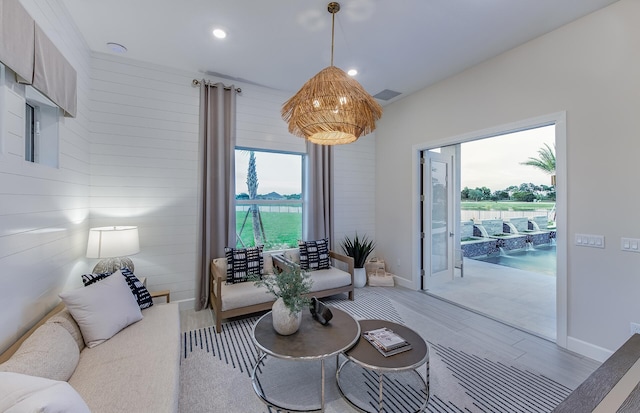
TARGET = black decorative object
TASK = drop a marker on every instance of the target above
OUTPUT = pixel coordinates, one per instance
(320, 311)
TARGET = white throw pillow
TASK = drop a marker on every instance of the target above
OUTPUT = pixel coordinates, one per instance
(49, 352)
(102, 309)
(20, 393)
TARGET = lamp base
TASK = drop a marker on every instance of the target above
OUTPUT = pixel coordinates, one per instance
(111, 265)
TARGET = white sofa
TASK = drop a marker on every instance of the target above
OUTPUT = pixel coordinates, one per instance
(232, 300)
(136, 370)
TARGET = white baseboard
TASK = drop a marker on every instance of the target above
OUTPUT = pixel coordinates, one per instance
(187, 304)
(588, 350)
(403, 282)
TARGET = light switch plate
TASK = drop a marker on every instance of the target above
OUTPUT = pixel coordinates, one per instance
(589, 240)
(630, 244)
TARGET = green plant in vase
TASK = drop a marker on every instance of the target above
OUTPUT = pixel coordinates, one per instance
(289, 287)
(359, 249)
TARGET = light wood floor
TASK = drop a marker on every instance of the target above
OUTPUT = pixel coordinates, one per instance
(527, 350)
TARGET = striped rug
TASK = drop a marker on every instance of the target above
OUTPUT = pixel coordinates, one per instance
(216, 372)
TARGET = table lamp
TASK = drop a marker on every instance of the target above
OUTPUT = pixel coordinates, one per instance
(112, 245)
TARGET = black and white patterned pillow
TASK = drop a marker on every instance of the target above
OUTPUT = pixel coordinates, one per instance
(88, 279)
(138, 289)
(314, 255)
(243, 263)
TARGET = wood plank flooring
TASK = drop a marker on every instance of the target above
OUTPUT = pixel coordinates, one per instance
(448, 320)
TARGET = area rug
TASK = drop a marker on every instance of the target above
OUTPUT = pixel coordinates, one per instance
(215, 371)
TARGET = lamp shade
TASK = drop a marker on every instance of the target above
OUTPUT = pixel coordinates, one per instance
(109, 242)
(331, 109)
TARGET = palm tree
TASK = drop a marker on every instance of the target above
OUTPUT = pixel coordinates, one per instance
(259, 237)
(546, 162)
(252, 185)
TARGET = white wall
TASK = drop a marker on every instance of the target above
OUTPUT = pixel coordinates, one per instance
(355, 190)
(143, 165)
(589, 69)
(43, 210)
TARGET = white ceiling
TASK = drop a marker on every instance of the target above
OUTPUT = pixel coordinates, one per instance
(401, 45)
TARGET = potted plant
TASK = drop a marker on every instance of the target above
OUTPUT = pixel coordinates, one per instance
(289, 288)
(359, 249)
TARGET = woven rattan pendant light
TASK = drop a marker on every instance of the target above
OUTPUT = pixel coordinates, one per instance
(331, 108)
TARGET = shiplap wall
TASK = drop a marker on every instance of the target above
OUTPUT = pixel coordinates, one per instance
(144, 162)
(43, 210)
(143, 165)
(355, 189)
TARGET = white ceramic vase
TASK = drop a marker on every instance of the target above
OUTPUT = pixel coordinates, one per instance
(284, 322)
(359, 277)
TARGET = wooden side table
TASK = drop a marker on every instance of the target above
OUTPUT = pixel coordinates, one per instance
(161, 293)
(156, 294)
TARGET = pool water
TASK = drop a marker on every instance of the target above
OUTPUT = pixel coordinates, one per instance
(541, 259)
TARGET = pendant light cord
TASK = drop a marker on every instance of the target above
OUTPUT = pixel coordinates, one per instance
(333, 31)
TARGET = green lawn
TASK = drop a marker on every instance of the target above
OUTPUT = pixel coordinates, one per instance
(282, 229)
(505, 206)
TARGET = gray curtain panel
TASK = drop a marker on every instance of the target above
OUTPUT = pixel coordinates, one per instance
(216, 209)
(17, 39)
(53, 75)
(318, 205)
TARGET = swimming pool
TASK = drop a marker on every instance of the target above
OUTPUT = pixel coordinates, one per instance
(541, 259)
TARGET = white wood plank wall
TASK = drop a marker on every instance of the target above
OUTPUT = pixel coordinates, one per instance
(43, 210)
(355, 189)
(143, 165)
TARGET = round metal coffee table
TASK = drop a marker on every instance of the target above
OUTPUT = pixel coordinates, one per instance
(287, 386)
(400, 387)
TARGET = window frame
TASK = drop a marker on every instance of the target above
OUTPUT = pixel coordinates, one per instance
(42, 129)
(299, 203)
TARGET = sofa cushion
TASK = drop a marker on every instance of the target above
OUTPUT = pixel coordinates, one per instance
(49, 352)
(267, 261)
(65, 319)
(330, 278)
(314, 255)
(243, 294)
(243, 263)
(138, 369)
(293, 255)
(102, 309)
(138, 289)
(21, 393)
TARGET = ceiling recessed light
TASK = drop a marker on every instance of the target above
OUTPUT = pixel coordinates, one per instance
(116, 48)
(352, 72)
(219, 33)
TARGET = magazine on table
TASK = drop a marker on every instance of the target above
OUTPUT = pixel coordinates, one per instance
(386, 341)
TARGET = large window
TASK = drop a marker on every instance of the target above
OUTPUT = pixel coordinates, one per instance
(268, 198)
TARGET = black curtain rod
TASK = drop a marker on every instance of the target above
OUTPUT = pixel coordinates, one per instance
(197, 82)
